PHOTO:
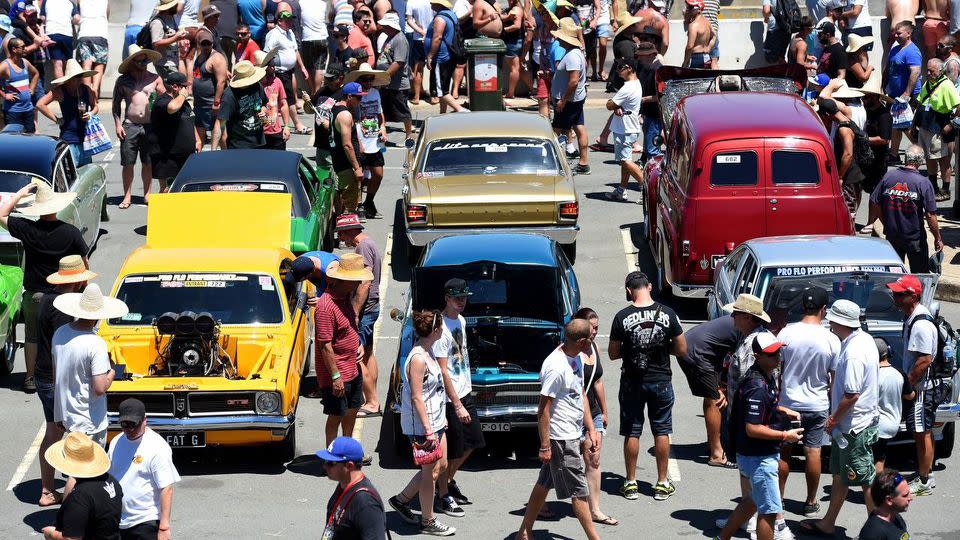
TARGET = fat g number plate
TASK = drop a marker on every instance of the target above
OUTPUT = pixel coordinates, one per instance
(188, 439)
(495, 426)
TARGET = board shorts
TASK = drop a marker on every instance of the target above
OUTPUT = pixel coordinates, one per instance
(854, 464)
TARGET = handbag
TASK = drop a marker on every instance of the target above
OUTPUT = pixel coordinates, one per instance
(423, 456)
(95, 138)
(902, 115)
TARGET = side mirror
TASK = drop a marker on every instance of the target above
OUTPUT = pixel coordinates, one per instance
(396, 315)
(409, 144)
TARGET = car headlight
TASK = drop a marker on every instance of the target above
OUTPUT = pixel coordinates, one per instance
(268, 403)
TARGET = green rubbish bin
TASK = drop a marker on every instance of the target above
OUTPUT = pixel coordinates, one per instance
(485, 78)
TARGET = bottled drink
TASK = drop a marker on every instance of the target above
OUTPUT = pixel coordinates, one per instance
(839, 439)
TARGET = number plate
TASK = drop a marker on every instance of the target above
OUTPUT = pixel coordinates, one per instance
(495, 426)
(191, 439)
(717, 260)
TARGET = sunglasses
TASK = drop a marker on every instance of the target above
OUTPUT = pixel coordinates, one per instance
(243, 34)
(128, 425)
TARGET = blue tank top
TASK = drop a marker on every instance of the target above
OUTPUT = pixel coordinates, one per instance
(252, 14)
(73, 127)
(443, 53)
(18, 83)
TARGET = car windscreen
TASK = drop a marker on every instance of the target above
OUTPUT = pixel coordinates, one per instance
(12, 181)
(269, 187)
(230, 298)
(499, 290)
(490, 155)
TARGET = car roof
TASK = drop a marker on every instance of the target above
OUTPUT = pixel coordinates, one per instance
(486, 124)
(144, 260)
(28, 153)
(737, 115)
(813, 250)
(507, 248)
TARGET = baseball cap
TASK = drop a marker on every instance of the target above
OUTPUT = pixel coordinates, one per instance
(341, 30)
(699, 4)
(814, 298)
(346, 222)
(825, 27)
(352, 89)
(175, 77)
(882, 347)
(132, 410)
(456, 287)
(636, 280)
(342, 449)
(335, 70)
(645, 47)
(284, 10)
(820, 80)
(907, 284)
(828, 106)
(301, 268)
(209, 11)
(766, 343)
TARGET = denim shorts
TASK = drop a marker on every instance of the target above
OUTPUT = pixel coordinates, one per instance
(715, 51)
(652, 126)
(514, 47)
(597, 425)
(656, 397)
(623, 146)
(604, 31)
(813, 423)
(365, 329)
(45, 393)
(764, 482)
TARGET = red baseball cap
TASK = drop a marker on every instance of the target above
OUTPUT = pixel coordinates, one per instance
(347, 222)
(907, 284)
(766, 343)
(696, 3)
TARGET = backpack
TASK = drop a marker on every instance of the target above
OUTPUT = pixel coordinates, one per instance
(144, 40)
(862, 153)
(787, 15)
(944, 363)
(457, 47)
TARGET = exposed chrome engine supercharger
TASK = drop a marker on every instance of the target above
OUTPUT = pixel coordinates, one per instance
(194, 347)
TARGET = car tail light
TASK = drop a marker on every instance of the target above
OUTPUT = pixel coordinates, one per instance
(729, 247)
(416, 213)
(569, 211)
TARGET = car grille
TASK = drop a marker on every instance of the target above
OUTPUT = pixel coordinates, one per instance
(156, 403)
(208, 403)
(506, 394)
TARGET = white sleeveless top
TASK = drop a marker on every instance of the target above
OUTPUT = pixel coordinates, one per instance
(434, 396)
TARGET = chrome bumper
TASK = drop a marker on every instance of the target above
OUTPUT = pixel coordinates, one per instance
(690, 291)
(948, 412)
(563, 234)
(516, 415)
(212, 423)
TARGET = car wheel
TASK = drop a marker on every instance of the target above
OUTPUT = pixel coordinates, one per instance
(944, 447)
(9, 352)
(571, 251)
(285, 450)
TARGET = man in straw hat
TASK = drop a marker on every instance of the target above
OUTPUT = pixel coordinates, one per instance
(938, 101)
(242, 110)
(749, 319)
(372, 132)
(276, 128)
(165, 37)
(93, 508)
(569, 92)
(854, 414)
(45, 241)
(78, 103)
(393, 58)
(439, 63)
(338, 346)
(133, 89)
(289, 62)
(72, 276)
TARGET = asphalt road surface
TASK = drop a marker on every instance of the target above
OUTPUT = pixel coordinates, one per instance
(239, 494)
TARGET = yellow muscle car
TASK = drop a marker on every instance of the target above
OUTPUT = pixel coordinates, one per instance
(213, 345)
(486, 171)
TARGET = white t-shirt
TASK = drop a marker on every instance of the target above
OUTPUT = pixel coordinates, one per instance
(286, 41)
(808, 358)
(143, 467)
(628, 98)
(93, 18)
(190, 16)
(561, 378)
(78, 356)
(858, 372)
(59, 15)
(922, 339)
(452, 345)
(368, 124)
(604, 17)
(462, 8)
(860, 20)
(419, 11)
(313, 16)
(140, 11)
(891, 401)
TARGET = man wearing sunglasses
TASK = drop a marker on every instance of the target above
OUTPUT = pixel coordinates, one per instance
(142, 462)
(891, 495)
(355, 510)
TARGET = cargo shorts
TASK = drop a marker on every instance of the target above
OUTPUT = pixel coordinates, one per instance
(854, 464)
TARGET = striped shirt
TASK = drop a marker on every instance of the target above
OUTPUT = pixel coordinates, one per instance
(710, 10)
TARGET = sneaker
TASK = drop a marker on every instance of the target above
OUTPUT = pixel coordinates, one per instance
(435, 528)
(782, 532)
(404, 510)
(448, 506)
(618, 194)
(750, 526)
(811, 510)
(921, 488)
(943, 195)
(581, 169)
(573, 155)
(454, 491)
(663, 490)
(630, 491)
(29, 386)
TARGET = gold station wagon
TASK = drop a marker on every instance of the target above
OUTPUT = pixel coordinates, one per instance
(488, 171)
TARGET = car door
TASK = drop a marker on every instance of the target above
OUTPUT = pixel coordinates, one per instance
(90, 184)
(309, 181)
(799, 197)
(321, 194)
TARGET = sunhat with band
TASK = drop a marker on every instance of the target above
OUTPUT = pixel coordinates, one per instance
(167, 5)
(856, 42)
(444, 3)
(568, 32)
(872, 87)
(349, 268)
(626, 22)
(246, 74)
(76, 455)
(136, 53)
(46, 201)
(845, 92)
(263, 59)
(72, 70)
(749, 304)
(72, 270)
(90, 305)
(380, 77)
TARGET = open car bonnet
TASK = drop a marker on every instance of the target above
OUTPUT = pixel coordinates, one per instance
(675, 83)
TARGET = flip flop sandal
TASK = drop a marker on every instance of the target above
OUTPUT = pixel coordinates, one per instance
(726, 464)
(606, 520)
(367, 413)
(809, 526)
(123, 205)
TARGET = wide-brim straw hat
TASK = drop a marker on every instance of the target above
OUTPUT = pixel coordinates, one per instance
(856, 42)
(349, 268)
(135, 53)
(167, 5)
(72, 270)
(72, 69)
(568, 32)
(749, 304)
(46, 201)
(261, 59)
(246, 74)
(76, 455)
(444, 3)
(626, 22)
(90, 305)
(380, 77)
(872, 87)
(845, 92)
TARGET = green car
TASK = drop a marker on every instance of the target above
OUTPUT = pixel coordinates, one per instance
(277, 171)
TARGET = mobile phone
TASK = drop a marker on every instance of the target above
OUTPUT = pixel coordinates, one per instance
(794, 424)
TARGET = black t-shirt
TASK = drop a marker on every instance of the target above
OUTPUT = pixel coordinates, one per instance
(879, 124)
(337, 153)
(639, 334)
(878, 529)
(363, 517)
(92, 511)
(44, 244)
(174, 133)
(323, 102)
(50, 318)
(238, 112)
(710, 342)
(755, 403)
(648, 82)
(832, 60)
(591, 378)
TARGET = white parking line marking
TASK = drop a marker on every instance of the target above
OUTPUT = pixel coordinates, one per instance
(384, 285)
(629, 250)
(27, 459)
(673, 467)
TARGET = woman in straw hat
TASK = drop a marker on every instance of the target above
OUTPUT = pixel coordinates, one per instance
(134, 88)
(95, 504)
(240, 121)
(45, 240)
(70, 277)
(858, 61)
(78, 102)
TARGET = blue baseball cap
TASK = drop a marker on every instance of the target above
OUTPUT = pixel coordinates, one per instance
(353, 89)
(342, 449)
(820, 80)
